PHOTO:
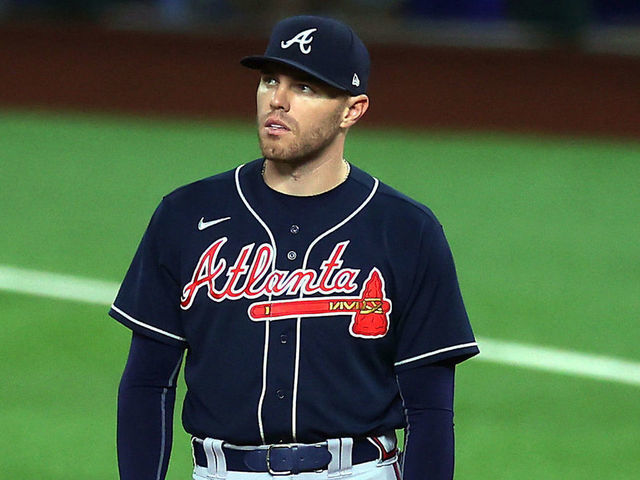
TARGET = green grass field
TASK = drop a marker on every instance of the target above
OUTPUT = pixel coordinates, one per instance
(544, 231)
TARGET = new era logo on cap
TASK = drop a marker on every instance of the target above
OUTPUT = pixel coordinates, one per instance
(323, 47)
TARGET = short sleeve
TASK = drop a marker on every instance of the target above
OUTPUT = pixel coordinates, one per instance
(148, 299)
(434, 325)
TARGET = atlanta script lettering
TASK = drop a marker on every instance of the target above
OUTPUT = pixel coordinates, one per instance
(254, 279)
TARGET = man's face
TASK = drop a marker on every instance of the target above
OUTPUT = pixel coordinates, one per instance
(298, 116)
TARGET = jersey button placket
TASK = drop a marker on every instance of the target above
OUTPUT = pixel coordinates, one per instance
(278, 406)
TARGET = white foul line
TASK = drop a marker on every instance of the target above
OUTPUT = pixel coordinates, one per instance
(55, 285)
(560, 361)
(87, 290)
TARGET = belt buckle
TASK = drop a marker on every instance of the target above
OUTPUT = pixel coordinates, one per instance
(269, 469)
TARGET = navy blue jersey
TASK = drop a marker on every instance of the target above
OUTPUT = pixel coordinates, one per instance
(296, 312)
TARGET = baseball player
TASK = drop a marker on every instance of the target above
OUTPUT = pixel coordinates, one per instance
(319, 308)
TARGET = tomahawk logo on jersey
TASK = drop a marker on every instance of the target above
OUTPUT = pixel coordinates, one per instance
(315, 300)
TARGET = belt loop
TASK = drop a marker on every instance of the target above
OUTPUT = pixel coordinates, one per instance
(193, 450)
(345, 456)
(341, 461)
(222, 463)
(216, 463)
(333, 445)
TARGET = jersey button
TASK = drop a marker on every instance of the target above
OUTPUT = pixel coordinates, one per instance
(294, 229)
(280, 394)
(292, 255)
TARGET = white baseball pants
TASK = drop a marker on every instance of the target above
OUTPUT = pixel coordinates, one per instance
(363, 471)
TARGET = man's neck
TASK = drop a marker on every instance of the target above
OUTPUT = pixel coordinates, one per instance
(306, 178)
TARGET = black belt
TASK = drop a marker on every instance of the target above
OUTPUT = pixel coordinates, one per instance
(285, 458)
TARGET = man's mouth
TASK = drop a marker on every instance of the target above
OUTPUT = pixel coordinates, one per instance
(276, 127)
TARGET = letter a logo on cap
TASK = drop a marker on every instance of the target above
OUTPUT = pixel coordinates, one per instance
(303, 39)
(356, 80)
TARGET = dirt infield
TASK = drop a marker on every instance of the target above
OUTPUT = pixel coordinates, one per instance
(199, 76)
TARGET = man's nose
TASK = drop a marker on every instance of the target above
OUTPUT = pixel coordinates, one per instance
(280, 98)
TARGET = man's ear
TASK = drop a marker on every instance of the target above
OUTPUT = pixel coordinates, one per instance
(355, 108)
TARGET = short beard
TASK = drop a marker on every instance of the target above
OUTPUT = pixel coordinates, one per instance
(309, 146)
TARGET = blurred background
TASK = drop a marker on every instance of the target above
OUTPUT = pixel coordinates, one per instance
(516, 121)
(592, 25)
(567, 66)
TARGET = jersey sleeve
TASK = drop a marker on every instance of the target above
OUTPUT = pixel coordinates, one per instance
(434, 325)
(149, 296)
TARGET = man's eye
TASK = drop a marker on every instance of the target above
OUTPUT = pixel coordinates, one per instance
(269, 80)
(305, 88)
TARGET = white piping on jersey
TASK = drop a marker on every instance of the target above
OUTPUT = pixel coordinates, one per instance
(407, 430)
(163, 412)
(149, 327)
(296, 374)
(257, 217)
(294, 411)
(267, 324)
(435, 352)
(263, 393)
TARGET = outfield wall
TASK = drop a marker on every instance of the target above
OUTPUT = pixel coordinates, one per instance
(90, 69)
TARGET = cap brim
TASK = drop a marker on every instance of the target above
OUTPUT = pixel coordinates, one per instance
(258, 62)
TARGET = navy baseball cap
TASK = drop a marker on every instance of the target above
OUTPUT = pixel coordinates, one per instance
(323, 47)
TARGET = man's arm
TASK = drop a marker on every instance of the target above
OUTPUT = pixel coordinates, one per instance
(146, 399)
(427, 392)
